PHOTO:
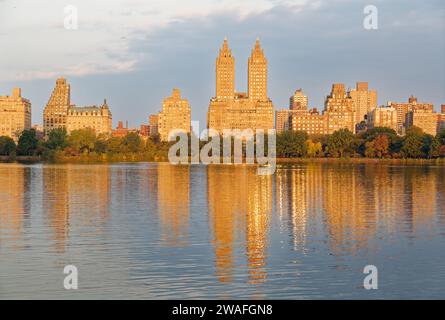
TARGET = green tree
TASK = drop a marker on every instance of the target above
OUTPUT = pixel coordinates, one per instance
(413, 143)
(132, 142)
(114, 145)
(28, 144)
(431, 146)
(82, 140)
(292, 144)
(441, 137)
(7, 146)
(340, 143)
(57, 139)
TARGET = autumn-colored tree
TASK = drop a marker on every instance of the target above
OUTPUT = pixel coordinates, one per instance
(314, 149)
(378, 148)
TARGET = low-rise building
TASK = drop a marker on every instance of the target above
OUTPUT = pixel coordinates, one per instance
(97, 118)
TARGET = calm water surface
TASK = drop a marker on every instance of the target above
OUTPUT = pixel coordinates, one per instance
(156, 231)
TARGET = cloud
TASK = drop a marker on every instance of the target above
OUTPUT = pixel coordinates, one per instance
(39, 46)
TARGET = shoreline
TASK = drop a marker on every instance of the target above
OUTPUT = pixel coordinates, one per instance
(135, 158)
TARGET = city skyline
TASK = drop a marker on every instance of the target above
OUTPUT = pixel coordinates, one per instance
(309, 46)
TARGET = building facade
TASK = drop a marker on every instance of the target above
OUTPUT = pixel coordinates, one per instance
(15, 114)
(238, 110)
(153, 123)
(383, 117)
(403, 109)
(282, 120)
(311, 121)
(423, 119)
(298, 101)
(174, 117)
(60, 113)
(339, 110)
(97, 118)
(56, 110)
(365, 101)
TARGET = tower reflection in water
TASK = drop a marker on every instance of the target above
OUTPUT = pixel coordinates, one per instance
(76, 197)
(240, 203)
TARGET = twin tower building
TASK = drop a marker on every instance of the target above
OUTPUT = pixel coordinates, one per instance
(230, 109)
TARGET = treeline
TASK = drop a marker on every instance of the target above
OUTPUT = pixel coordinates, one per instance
(373, 143)
(84, 145)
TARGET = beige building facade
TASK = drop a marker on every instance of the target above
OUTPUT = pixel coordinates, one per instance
(97, 118)
(298, 101)
(311, 121)
(60, 113)
(339, 110)
(383, 117)
(403, 109)
(15, 114)
(365, 101)
(174, 117)
(237, 110)
(423, 119)
(283, 120)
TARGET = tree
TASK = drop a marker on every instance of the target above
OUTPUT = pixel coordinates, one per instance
(7, 146)
(57, 139)
(314, 149)
(292, 144)
(379, 147)
(441, 137)
(28, 144)
(114, 144)
(132, 142)
(431, 146)
(371, 134)
(82, 140)
(340, 143)
(413, 143)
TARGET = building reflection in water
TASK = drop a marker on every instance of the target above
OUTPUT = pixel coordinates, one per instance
(75, 196)
(240, 203)
(14, 200)
(355, 202)
(174, 203)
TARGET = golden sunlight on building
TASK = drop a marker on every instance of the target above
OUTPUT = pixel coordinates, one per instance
(238, 110)
(15, 114)
(174, 117)
(423, 119)
(97, 118)
(364, 101)
(339, 110)
(404, 108)
(383, 117)
(60, 113)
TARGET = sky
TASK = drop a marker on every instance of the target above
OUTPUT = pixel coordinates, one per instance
(134, 52)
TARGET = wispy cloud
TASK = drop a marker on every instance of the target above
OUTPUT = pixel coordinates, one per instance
(40, 47)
